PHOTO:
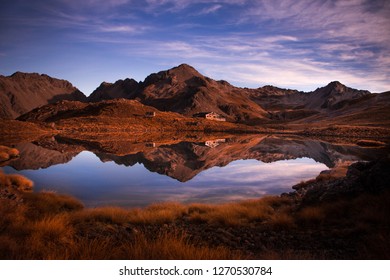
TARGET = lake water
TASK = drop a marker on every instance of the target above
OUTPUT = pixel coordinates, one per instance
(227, 170)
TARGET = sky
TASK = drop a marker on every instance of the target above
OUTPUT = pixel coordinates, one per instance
(302, 44)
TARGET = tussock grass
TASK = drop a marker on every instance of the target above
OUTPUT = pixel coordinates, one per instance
(166, 245)
(158, 213)
(52, 226)
(3, 156)
(15, 181)
(7, 153)
(311, 214)
(55, 236)
(272, 210)
(44, 204)
(47, 225)
(176, 245)
(107, 215)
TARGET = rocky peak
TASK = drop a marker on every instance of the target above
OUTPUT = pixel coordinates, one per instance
(336, 87)
(180, 74)
(120, 89)
(334, 96)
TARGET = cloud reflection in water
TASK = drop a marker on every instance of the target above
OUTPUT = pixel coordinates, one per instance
(97, 183)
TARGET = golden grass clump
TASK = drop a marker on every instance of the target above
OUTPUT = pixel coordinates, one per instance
(311, 215)
(13, 216)
(49, 237)
(48, 203)
(165, 245)
(15, 181)
(3, 156)
(158, 213)
(7, 153)
(270, 209)
(107, 215)
(175, 245)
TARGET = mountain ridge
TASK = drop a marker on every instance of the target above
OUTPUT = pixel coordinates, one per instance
(184, 90)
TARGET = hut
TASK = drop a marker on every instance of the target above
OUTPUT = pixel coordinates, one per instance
(211, 116)
(150, 114)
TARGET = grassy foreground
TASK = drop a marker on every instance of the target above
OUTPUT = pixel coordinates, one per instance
(52, 226)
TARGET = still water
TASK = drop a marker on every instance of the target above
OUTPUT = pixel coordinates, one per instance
(228, 170)
(97, 183)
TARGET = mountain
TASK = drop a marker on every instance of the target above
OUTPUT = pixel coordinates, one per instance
(184, 90)
(334, 96)
(22, 92)
(334, 103)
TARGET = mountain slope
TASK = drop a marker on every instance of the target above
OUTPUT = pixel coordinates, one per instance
(128, 117)
(184, 90)
(333, 96)
(120, 89)
(334, 103)
(22, 92)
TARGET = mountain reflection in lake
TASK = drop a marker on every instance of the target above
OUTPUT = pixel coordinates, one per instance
(217, 170)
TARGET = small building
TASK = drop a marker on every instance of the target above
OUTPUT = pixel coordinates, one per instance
(211, 116)
(214, 143)
(150, 114)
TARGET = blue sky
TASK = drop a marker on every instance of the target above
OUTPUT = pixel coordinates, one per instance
(293, 44)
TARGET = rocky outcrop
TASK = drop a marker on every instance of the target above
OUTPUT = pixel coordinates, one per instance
(362, 177)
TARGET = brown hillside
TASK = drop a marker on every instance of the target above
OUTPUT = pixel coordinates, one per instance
(22, 92)
(121, 116)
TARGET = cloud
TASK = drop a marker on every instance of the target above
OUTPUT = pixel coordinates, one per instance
(279, 38)
(210, 10)
(302, 44)
(180, 5)
(256, 173)
(94, 4)
(330, 19)
(267, 60)
(133, 29)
